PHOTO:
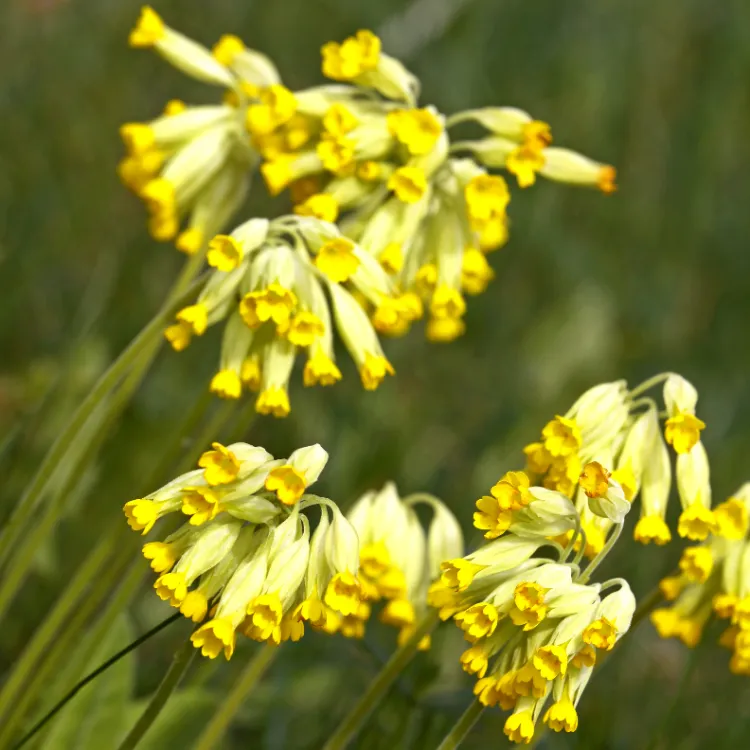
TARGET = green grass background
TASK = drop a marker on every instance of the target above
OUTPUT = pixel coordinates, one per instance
(589, 288)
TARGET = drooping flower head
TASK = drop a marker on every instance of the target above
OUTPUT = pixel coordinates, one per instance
(398, 560)
(608, 450)
(714, 581)
(281, 287)
(245, 559)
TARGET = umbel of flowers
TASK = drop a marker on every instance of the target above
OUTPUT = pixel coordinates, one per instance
(359, 151)
(278, 286)
(535, 623)
(245, 558)
(714, 580)
(397, 560)
(617, 432)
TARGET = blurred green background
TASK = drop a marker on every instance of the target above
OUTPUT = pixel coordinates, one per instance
(590, 288)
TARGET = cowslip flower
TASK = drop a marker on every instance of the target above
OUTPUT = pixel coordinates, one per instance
(714, 581)
(191, 166)
(610, 439)
(534, 626)
(385, 167)
(280, 287)
(245, 558)
(398, 560)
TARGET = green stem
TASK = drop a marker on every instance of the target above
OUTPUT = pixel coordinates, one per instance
(224, 714)
(53, 624)
(26, 506)
(597, 561)
(39, 725)
(42, 675)
(648, 384)
(177, 669)
(462, 727)
(103, 563)
(377, 689)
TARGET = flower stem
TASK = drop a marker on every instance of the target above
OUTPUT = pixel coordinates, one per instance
(226, 710)
(597, 561)
(92, 676)
(177, 669)
(462, 727)
(103, 565)
(377, 689)
(648, 384)
(26, 506)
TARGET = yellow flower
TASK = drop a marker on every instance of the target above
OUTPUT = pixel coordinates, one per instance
(538, 458)
(601, 634)
(339, 120)
(226, 384)
(214, 637)
(162, 555)
(195, 316)
(220, 465)
(288, 484)
(561, 436)
(519, 727)
(373, 371)
(337, 260)
(447, 303)
(141, 514)
(683, 431)
(512, 491)
(417, 129)
(478, 621)
(171, 587)
(227, 48)
(392, 258)
(408, 183)
(224, 253)
(149, 29)
(275, 303)
(320, 370)
(487, 197)
(336, 153)
(321, 205)
(696, 522)
(277, 106)
(491, 518)
(274, 400)
(354, 56)
(562, 716)
(731, 518)
(697, 563)
(303, 329)
(476, 272)
(201, 504)
(524, 162)
(551, 661)
(652, 529)
(594, 479)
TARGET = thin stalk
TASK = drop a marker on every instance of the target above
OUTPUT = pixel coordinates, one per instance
(92, 676)
(377, 689)
(177, 669)
(114, 607)
(23, 557)
(42, 675)
(648, 384)
(462, 727)
(226, 710)
(104, 563)
(52, 625)
(26, 506)
(597, 561)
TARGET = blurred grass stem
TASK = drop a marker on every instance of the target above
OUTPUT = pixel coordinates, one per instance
(377, 689)
(142, 343)
(462, 727)
(177, 669)
(228, 707)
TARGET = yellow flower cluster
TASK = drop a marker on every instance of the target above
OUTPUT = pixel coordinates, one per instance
(397, 560)
(714, 580)
(613, 433)
(534, 624)
(360, 152)
(274, 283)
(245, 557)
(192, 165)
(428, 215)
